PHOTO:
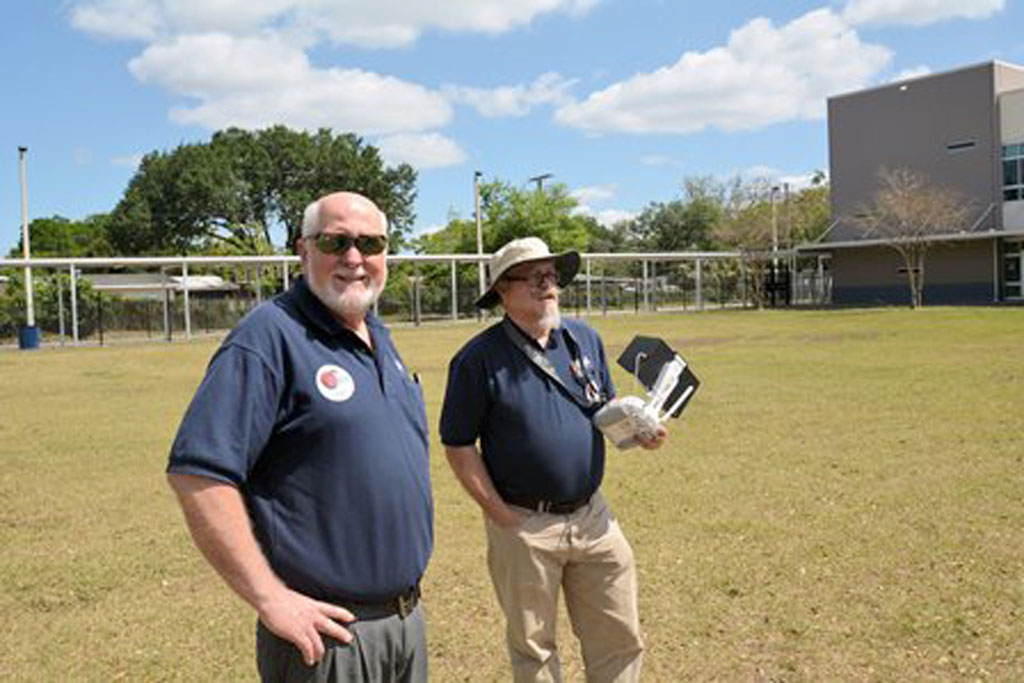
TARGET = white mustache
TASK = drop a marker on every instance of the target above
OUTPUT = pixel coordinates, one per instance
(351, 274)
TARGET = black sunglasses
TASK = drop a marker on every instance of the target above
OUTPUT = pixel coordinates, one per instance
(368, 245)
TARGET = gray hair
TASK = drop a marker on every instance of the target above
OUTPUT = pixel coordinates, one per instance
(311, 215)
(311, 218)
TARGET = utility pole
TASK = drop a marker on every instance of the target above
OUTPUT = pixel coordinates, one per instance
(775, 223)
(539, 179)
(30, 313)
(479, 233)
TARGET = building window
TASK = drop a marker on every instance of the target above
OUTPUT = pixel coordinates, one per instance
(1013, 254)
(1013, 172)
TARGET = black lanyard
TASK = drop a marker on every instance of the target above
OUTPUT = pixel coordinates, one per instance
(579, 365)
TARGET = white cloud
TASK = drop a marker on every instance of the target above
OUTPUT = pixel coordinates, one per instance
(594, 193)
(245, 64)
(606, 217)
(254, 82)
(913, 72)
(81, 156)
(917, 12)
(513, 100)
(764, 75)
(370, 23)
(127, 160)
(118, 19)
(428, 150)
(611, 217)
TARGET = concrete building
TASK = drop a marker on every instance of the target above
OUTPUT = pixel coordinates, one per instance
(964, 130)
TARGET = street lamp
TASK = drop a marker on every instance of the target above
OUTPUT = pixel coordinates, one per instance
(775, 221)
(29, 338)
(539, 179)
(479, 232)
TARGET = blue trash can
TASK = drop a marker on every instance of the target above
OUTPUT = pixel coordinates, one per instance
(28, 337)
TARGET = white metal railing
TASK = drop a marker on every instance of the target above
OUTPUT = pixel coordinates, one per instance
(650, 264)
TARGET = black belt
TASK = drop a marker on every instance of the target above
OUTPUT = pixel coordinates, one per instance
(402, 605)
(550, 506)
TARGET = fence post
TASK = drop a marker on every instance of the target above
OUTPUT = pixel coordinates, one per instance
(700, 285)
(284, 273)
(588, 287)
(655, 296)
(647, 294)
(74, 304)
(455, 290)
(60, 305)
(604, 292)
(167, 304)
(184, 287)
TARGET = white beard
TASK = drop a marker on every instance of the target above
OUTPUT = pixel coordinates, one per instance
(347, 303)
(551, 320)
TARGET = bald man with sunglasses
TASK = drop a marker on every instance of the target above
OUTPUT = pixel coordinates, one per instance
(288, 489)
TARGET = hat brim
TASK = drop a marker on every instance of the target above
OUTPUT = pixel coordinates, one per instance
(567, 264)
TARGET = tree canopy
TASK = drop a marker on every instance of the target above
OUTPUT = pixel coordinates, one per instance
(61, 237)
(229, 193)
(509, 212)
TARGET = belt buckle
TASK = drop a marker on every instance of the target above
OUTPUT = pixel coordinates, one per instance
(406, 604)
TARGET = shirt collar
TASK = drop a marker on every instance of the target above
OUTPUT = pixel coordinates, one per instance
(319, 315)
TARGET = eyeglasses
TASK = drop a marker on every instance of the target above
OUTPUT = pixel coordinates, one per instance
(368, 245)
(534, 280)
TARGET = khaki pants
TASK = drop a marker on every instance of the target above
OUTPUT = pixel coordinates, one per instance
(586, 555)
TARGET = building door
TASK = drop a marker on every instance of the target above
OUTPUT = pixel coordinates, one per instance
(1013, 255)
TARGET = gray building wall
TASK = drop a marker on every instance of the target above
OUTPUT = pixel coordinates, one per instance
(910, 124)
(955, 273)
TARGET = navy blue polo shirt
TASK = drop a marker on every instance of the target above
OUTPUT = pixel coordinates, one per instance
(326, 439)
(535, 441)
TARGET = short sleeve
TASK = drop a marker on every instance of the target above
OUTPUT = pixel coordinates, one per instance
(230, 419)
(465, 401)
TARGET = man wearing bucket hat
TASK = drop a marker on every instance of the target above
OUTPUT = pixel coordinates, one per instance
(526, 389)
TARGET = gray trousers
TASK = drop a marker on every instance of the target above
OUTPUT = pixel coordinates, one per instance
(385, 650)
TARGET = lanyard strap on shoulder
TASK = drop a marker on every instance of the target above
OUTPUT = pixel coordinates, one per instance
(537, 357)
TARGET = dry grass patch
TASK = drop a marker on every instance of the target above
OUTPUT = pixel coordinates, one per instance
(841, 502)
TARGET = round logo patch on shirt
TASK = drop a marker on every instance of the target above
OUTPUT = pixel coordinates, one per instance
(334, 383)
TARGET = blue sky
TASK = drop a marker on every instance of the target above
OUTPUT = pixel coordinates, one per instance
(619, 99)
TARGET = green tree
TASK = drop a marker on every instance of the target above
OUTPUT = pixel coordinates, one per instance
(507, 213)
(233, 190)
(62, 237)
(686, 224)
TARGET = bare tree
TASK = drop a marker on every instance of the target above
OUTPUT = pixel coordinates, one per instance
(911, 215)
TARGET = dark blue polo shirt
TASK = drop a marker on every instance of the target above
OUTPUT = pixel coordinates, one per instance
(326, 439)
(535, 441)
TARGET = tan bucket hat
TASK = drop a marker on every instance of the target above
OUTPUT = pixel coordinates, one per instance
(526, 250)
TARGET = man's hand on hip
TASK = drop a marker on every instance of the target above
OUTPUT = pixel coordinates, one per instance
(302, 621)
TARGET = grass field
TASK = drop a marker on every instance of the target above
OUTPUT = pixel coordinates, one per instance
(844, 500)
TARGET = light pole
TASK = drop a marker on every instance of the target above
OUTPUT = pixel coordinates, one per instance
(539, 179)
(479, 232)
(29, 338)
(775, 223)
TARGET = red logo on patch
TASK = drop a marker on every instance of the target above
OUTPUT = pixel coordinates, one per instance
(329, 379)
